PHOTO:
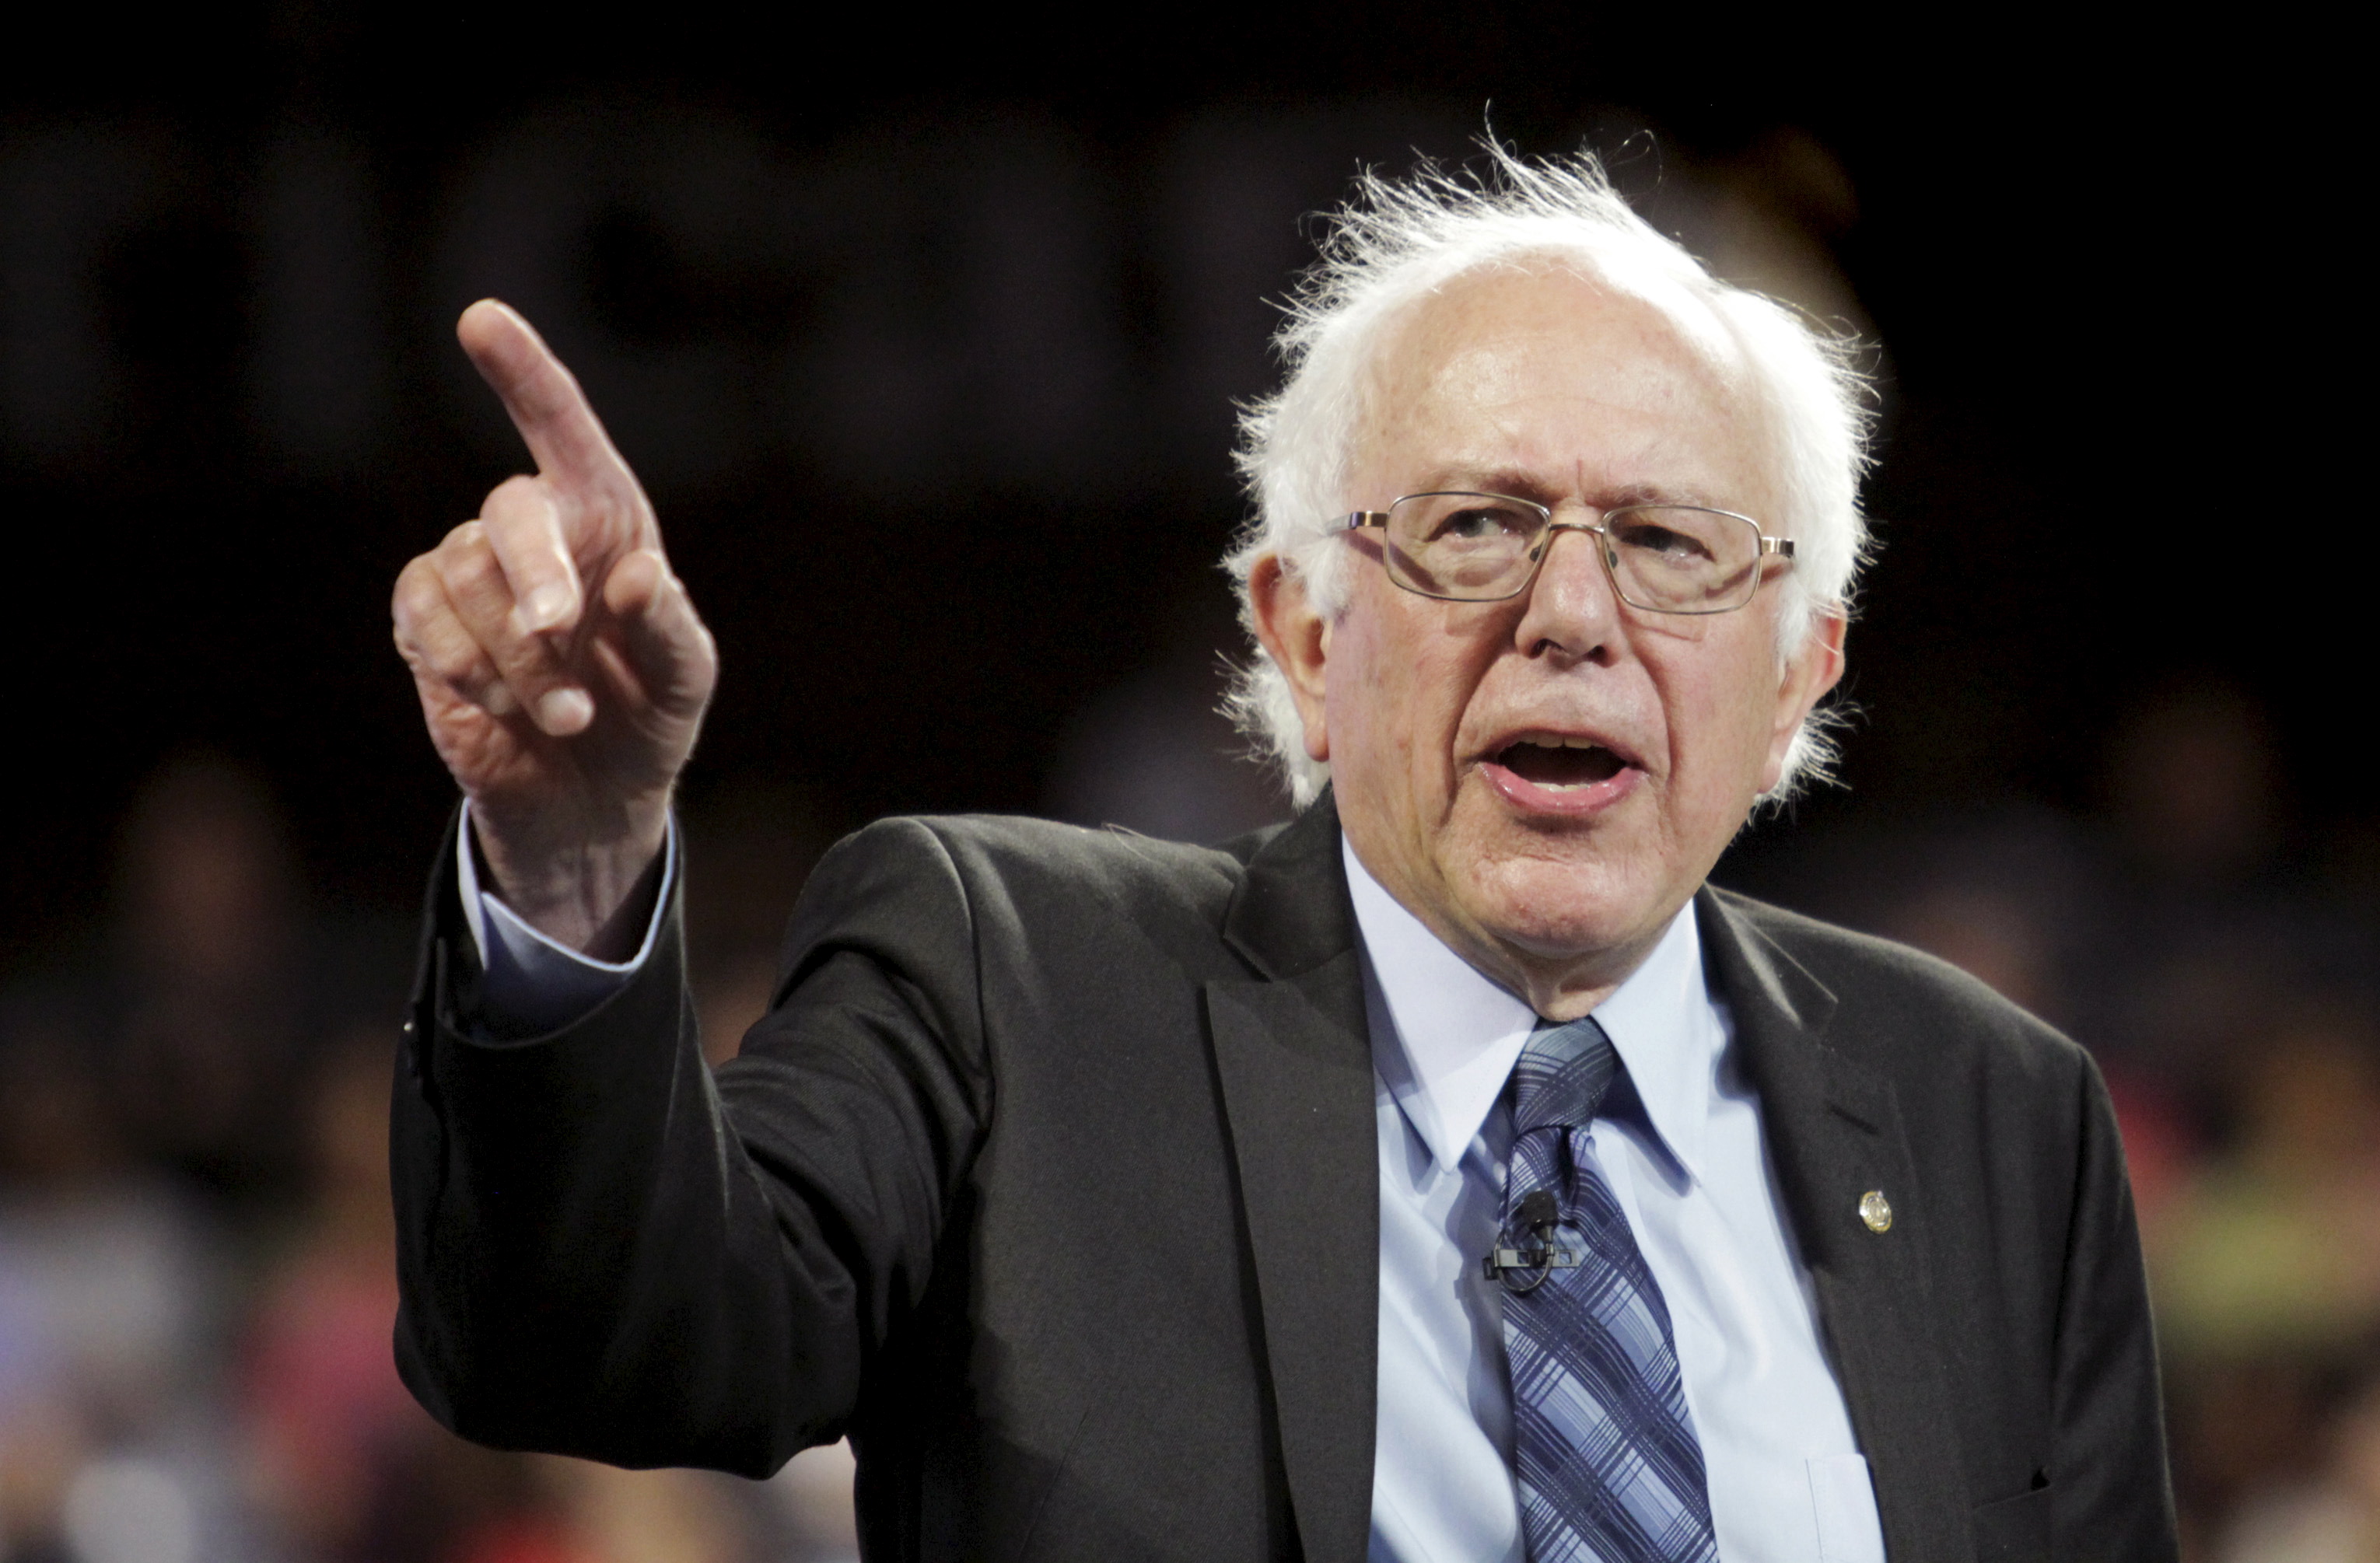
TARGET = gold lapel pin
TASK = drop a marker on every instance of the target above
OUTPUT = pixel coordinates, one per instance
(1876, 1210)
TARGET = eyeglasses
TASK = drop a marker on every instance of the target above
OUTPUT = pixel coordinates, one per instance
(1486, 548)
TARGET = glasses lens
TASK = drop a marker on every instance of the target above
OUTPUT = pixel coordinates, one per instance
(1677, 560)
(1468, 547)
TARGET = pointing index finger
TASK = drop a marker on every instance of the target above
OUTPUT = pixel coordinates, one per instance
(543, 400)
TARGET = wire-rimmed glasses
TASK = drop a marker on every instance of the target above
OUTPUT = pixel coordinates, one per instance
(1464, 546)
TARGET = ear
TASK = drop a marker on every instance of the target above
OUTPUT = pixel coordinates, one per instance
(1808, 673)
(1296, 635)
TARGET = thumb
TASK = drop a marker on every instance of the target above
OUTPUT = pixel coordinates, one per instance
(667, 646)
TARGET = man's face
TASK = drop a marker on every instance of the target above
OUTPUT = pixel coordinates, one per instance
(1546, 781)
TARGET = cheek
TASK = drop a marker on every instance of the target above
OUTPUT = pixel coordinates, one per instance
(1397, 690)
(1350, 694)
(1722, 718)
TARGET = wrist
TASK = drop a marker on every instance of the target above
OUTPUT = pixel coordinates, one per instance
(591, 888)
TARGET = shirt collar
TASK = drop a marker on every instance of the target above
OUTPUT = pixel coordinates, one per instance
(1454, 1033)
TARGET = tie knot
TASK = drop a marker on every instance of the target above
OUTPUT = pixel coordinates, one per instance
(1562, 1076)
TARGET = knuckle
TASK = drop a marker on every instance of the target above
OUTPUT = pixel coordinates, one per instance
(523, 659)
(417, 590)
(517, 500)
(436, 657)
(472, 573)
(458, 664)
(445, 646)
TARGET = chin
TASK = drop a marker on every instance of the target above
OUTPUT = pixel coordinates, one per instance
(1563, 903)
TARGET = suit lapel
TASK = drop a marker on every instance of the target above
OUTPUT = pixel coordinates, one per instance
(1834, 1132)
(1294, 1055)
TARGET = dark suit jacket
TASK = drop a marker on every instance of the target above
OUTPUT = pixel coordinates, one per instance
(1052, 1179)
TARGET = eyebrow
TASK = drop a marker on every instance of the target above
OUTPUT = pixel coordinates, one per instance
(1520, 484)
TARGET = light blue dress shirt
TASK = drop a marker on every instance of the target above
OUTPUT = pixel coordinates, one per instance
(1786, 1481)
(1788, 1484)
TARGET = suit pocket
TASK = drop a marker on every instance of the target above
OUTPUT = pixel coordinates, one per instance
(2014, 1529)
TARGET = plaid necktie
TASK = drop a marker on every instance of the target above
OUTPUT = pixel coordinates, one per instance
(1603, 1448)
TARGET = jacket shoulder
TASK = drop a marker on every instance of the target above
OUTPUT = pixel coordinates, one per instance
(1019, 845)
(1006, 866)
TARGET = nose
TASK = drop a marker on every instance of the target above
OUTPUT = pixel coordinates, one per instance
(1573, 612)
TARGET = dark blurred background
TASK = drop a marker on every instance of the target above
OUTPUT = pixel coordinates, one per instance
(994, 282)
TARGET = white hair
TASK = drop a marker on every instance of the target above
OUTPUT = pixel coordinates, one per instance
(1396, 243)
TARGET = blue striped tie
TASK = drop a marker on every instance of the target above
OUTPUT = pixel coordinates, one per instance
(1603, 1448)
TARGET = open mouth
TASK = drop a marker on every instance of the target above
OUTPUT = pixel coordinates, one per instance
(1561, 767)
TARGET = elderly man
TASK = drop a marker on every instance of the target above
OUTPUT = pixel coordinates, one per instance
(1450, 1175)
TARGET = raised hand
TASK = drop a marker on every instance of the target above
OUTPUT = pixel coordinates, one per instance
(562, 669)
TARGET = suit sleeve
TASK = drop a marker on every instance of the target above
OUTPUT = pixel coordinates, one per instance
(605, 1250)
(2112, 1495)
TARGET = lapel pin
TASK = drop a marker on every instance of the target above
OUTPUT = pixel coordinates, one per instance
(1876, 1210)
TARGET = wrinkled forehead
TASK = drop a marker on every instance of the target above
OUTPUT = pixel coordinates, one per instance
(1500, 340)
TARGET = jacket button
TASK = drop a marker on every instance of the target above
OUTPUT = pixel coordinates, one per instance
(1876, 1210)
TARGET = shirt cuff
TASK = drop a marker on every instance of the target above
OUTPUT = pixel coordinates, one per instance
(533, 983)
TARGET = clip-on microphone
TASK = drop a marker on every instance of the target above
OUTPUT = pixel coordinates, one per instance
(1539, 1214)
